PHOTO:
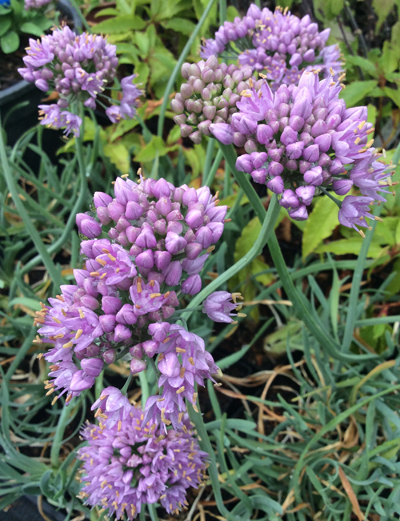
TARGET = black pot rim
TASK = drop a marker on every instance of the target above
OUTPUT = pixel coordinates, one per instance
(22, 87)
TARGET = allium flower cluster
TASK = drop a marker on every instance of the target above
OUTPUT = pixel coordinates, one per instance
(183, 363)
(135, 463)
(159, 238)
(301, 140)
(277, 42)
(35, 4)
(79, 68)
(208, 96)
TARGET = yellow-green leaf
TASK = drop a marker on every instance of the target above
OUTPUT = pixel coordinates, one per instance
(118, 155)
(356, 91)
(346, 246)
(320, 224)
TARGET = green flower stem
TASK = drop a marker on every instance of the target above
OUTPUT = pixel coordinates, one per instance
(208, 160)
(177, 68)
(58, 438)
(126, 384)
(334, 199)
(266, 230)
(222, 11)
(210, 177)
(99, 385)
(355, 287)
(21, 354)
(144, 384)
(358, 273)
(300, 306)
(236, 205)
(34, 234)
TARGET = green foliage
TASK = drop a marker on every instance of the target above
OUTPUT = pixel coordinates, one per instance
(318, 434)
(14, 20)
(132, 26)
(320, 224)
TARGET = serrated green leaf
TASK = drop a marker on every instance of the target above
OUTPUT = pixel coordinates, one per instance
(143, 42)
(364, 64)
(393, 94)
(231, 13)
(319, 225)
(108, 11)
(180, 25)
(389, 60)
(356, 91)
(31, 28)
(5, 24)
(4, 10)
(9, 42)
(119, 24)
(346, 246)
(118, 155)
(148, 153)
(143, 72)
(326, 9)
(382, 10)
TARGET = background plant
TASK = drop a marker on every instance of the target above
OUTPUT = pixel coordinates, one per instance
(16, 20)
(291, 431)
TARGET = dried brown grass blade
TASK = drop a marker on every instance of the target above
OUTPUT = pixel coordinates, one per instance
(351, 495)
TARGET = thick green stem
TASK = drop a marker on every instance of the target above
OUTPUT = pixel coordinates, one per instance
(40, 247)
(222, 11)
(58, 438)
(266, 230)
(300, 307)
(126, 384)
(213, 170)
(177, 68)
(208, 160)
(144, 384)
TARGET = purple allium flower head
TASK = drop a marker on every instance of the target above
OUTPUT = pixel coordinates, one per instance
(309, 142)
(277, 42)
(135, 463)
(158, 236)
(209, 96)
(183, 361)
(79, 68)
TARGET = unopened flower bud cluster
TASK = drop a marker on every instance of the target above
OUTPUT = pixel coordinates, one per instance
(209, 95)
